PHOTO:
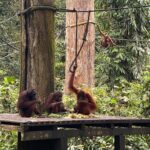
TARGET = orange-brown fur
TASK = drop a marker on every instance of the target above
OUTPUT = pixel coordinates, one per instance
(54, 103)
(27, 103)
(85, 103)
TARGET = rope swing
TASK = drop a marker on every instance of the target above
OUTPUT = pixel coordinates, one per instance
(74, 62)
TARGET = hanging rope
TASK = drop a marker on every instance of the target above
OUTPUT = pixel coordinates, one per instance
(76, 52)
(74, 62)
(76, 44)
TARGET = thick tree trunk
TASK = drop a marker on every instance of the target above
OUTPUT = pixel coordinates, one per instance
(37, 54)
(85, 71)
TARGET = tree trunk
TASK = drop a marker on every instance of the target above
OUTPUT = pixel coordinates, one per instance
(37, 54)
(85, 71)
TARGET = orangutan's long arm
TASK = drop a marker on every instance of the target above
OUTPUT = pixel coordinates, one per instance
(71, 83)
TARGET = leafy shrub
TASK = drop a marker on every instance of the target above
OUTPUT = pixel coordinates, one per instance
(8, 95)
(8, 140)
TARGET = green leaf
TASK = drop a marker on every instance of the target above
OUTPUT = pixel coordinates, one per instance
(113, 101)
(9, 80)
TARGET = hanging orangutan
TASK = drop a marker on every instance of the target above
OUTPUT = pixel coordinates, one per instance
(106, 40)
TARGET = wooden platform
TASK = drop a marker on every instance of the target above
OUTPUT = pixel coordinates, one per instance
(51, 132)
(15, 119)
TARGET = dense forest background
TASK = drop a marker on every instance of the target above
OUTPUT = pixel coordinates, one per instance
(122, 72)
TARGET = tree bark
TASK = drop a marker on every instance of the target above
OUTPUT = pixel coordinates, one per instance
(37, 53)
(85, 71)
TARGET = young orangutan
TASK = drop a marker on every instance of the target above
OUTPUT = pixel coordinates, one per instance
(27, 103)
(106, 41)
(85, 103)
(54, 103)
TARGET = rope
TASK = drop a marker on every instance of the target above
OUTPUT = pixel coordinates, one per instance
(121, 8)
(129, 40)
(76, 45)
(84, 39)
(54, 9)
(79, 24)
(76, 65)
(34, 8)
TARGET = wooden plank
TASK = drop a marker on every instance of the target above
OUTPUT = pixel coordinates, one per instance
(86, 132)
(119, 142)
(60, 144)
(15, 118)
(39, 124)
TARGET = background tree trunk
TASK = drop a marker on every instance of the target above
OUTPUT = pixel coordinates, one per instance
(85, 71)
(37, 54)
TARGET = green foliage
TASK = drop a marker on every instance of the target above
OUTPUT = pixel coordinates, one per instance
(146, 91)
(9, 33)
(123, 100)
(8, 99)
(105, 143)
(60, 46)
(122, 88)
(138, 143)
(95, 143)
(8, 140)
(8, 94)
(127, 59)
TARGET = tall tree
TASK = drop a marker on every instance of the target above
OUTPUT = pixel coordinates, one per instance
(85, 71)
(37, 55)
